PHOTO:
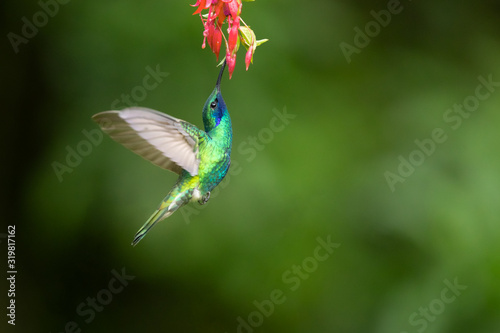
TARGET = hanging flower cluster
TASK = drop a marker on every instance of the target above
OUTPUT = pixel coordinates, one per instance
(220, 11)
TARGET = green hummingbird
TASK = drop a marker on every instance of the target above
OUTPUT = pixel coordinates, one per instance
(200, 158)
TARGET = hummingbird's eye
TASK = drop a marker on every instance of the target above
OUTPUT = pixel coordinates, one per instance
(213, 105)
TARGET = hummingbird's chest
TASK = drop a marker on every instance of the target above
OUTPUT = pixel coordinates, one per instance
(214, 164)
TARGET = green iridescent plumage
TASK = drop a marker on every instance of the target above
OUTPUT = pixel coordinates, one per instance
(201, 158)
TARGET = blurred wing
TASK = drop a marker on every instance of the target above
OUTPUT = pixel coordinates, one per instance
(167, 142)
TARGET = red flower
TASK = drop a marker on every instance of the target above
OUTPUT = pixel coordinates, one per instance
(248, 57)
(201, 4)
(234, 25)
(220, 11)
(232, 7)
(231, 62)
(216, 42)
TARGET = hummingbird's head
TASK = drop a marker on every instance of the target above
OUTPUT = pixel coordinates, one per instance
(215, 108)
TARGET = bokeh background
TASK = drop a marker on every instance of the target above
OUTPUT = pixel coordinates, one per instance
(322, 175)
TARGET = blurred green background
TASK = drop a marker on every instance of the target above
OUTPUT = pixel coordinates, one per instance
(324, 174)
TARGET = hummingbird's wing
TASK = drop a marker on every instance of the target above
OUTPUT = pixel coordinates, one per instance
(167, 142)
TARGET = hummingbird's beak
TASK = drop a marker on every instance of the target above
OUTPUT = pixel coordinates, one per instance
(217, 85)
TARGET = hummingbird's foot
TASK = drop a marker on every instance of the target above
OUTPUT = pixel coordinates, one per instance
(204, 199)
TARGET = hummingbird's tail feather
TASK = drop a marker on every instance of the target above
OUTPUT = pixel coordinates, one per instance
(167, 208)
(157, 216)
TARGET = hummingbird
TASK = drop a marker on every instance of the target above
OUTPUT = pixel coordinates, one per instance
(201, 158)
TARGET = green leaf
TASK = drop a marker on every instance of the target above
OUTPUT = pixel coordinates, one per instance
(261, 41)
(248, 36)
